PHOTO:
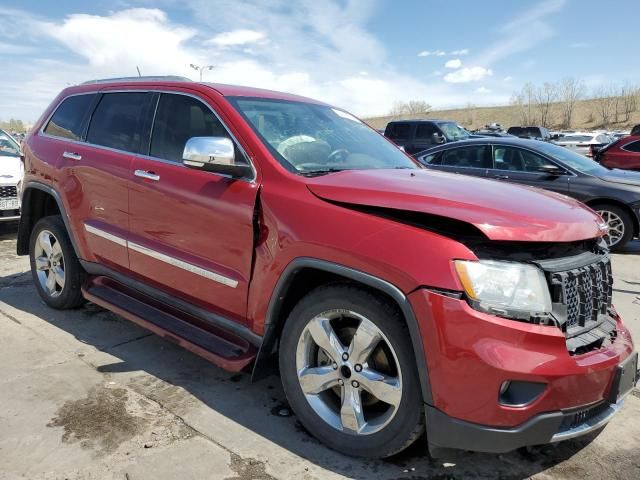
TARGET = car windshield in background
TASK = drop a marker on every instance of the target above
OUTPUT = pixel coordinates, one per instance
(572, 159)
(8, 147)
(314, 139)
(576, 138)
(453, 131)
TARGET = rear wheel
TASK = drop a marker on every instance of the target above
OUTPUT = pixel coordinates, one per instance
(620, 225)
(349, 374)
(56, 271)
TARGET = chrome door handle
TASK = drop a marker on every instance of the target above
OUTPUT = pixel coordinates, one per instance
(501, 177)
(72, 156)
(147, 175)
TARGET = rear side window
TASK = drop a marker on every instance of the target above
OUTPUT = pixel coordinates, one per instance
(633, 147)
(118, 121)
(432, 159)
(467, 157)
(179, 118)
(396, 131)
(68, 119)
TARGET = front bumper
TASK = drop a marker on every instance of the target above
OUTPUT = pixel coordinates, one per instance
(470, 355)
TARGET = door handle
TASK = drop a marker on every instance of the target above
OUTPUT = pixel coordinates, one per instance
(72, 156)
(501, 177)
(147, 175)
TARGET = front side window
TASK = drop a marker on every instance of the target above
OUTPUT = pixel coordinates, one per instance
(572, 159)
(518, 160)
(425, 131)
(118, 121)
(69, 118)
(314, 139)
(179, 118)
(8, 146)
(467, 157)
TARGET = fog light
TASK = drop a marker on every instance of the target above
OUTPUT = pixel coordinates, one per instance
(515, 393)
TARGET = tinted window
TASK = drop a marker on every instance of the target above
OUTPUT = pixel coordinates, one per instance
(425, 131)
(178, 119)
(633, 146)
(432, 159)
(118, 121)
(469, 157)
(68, 120)
(517, 160)
(398, 130)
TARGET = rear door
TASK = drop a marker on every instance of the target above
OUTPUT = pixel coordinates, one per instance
(401, 133)
(191, 230)
(517, 165)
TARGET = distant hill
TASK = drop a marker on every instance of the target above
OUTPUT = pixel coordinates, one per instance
(585, 117)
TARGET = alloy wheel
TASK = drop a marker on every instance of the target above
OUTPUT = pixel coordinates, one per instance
(616, 227)
(349, 372)
(49, 262)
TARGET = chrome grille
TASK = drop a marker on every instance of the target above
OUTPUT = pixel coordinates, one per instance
(8, 192)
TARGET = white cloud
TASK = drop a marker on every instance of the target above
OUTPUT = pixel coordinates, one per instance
(507, 79)
(483, 90)
(463, 51)
(455, 63)
(434, 53)
(468, 74)
(236, 37)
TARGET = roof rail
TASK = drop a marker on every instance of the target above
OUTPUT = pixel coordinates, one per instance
(166, 78)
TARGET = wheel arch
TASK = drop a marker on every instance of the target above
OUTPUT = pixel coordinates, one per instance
(636, 223)
(38, 201)
(304, 274)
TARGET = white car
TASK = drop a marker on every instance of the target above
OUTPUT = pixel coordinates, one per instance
(11, 173)
(583, 142)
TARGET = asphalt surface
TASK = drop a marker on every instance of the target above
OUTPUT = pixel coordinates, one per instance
(85, 394)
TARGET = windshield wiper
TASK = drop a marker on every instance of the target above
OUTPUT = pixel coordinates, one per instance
(323, 171)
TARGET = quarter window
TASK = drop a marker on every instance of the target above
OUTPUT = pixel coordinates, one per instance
(68, 119)
(633, 147)
(118, 121)
(518, 160)
(467, 157)
(179, 118)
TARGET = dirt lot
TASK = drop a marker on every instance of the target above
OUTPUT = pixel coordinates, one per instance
(88, 395)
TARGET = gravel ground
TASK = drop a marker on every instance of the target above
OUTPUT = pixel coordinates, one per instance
(87, 395)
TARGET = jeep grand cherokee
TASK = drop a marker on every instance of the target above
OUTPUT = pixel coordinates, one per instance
(258, 229)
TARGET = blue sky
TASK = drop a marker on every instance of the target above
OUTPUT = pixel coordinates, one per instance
(362, 55)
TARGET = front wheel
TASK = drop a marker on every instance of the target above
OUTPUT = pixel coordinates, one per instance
(620, 225)
(349, 373)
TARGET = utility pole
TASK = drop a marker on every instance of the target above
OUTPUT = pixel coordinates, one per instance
(201, 68)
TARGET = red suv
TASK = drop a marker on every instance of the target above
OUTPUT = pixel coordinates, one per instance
(260, 229)
(624, 154)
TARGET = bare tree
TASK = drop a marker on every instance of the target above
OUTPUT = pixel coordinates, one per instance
(524, 101)
(412, 107)
(570, 91)
(628, 101)
(544, 98)
(605, 102)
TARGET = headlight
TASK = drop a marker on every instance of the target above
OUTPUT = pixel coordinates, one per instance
(509, 289)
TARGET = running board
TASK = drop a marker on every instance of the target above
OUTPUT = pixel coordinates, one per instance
(222, 348)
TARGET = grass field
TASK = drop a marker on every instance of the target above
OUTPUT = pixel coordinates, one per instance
(585, 117)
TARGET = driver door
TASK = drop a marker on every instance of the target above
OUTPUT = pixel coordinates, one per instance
(191, 230)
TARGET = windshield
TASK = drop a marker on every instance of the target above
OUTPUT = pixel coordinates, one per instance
(309, 138)
(572, 159)
(453, 131)
(576, 138)
(8, 146)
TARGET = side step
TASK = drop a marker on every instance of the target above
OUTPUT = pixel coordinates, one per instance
(222, 348)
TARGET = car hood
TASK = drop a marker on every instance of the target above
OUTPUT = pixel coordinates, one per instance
(10, 170)
(501, 211)
(625, 177)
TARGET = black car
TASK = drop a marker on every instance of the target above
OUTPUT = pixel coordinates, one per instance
(615, 194)
(535, 133)
(416, 135)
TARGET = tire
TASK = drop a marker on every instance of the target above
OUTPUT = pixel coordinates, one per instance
(388, 428)
(64, 291)
(616, 216)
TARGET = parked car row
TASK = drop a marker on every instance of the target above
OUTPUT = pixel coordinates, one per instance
(11, 171)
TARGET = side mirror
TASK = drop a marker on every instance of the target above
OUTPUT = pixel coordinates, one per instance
(214, 154)
(551, 170)
(438, 139)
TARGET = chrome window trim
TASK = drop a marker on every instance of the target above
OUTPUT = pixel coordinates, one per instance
(216, 277)
(106, 235)
(630, 143)
(208, 274)
(148, 157)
